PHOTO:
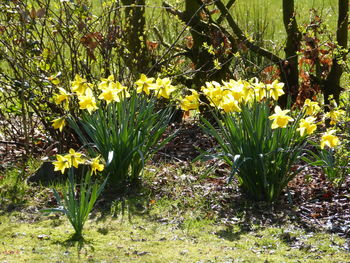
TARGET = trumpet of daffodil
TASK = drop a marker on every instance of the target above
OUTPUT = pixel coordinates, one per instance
(275, 89)
(105, 82)
(280, 118)
(59, 123)
(328, 139)
(145, 84)
(74, 158)
(96, 165)
(61, 164)
(164, 88)
(307, 125)
(335, 116)
(87, 101)
(229, 104)
(62, 96)
(190, 102)
(80, 85)
(311, 107)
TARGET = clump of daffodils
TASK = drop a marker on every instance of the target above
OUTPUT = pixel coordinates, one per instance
(74, 159)
(231, 95)
(109, 90)
(228, 96)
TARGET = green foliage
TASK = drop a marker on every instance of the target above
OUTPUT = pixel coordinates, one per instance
(335, 162)
(78, 201)
(127, 132)
(262, 157)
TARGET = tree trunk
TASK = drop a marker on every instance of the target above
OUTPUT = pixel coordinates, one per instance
(332, 83)
(134, 36)
(289, 68)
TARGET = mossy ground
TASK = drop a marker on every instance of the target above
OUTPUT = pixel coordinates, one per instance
(110, 239)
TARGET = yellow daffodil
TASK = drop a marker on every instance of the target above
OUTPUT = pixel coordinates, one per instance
(121, 90)
(109, 94)
(190, 102)
(61, 164)
(259, 89)
(145, 84)
(80, 85)
(59, 123)
(280, 119)
(105, 82)
(96, 165)
(236, 89)
(328, 139)
(87, 101)
(335, 116)
(62, 96)
(229, 104)
(164, 88)
(214, 92)
(74, 158)
(275, 89)
(248, 91)
(311, 107)
(307, 125)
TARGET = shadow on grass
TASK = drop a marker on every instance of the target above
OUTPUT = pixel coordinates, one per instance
(230, 234)
(76, 241)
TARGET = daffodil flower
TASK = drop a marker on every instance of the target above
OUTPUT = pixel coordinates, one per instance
(59, 123)
(87, 101)
(235, 88)
(74, 158)
(164, 88)
(229, 104)
(248, 91)
(109, 94)
(260, 90)
(96, 165)
(190, 102)
(214, 92)
(80, 85)
(145, 84)
(311, 107)
(335, 116)
(328, 139)
(105, 82)
(307, 126)
(280, 119)
(62, 96)
(121, 90)
(275, 89)
(61, 164)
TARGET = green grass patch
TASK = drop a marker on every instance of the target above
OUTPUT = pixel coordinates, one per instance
(144, 240)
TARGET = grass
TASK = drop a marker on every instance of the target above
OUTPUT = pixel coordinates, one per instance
(144, 240)
(171, 223)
